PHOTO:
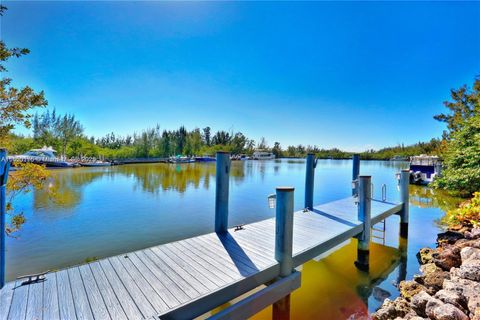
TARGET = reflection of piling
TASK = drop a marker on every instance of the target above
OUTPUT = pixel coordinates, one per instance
(4, 167)
(404, 198)
(364, 215)
(283, 245)
(221, 192)
(309, 180)
(402, 269)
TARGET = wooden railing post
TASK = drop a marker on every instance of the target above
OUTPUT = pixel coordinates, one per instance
(284, 230)
(404, 198)
(309, 180)
(221, 191)
(4, 167)
(355, 172)
(364, 215)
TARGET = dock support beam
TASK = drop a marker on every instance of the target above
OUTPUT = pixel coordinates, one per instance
(404, 198)
(355, 173)
(283, 246)
(221, 192)
(364, 215)
(309, 180)
(4, 167)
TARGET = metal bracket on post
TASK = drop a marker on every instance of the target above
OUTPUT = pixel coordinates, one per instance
(221, 192)
(4, 167)
(364, 215)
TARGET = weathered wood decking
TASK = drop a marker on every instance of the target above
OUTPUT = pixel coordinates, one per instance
(186, 278)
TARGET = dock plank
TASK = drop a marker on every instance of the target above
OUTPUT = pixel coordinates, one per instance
(35, 301)
(6, 295)
(67, 306)
(51, 309)
(18, 309)
(97, 304)
(128, 304)
(112, 302)
(82, 304)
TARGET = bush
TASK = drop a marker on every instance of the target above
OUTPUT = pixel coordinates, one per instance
(466, 215)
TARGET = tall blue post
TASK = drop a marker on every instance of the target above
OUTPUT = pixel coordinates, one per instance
(404, 198)
(309, 180)
(4, 166)
(364, 215)
(221, 192)
(284, 230)
(355, 172)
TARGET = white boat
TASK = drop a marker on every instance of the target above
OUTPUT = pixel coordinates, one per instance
(263, 155)
(95, 164)
(424, 169)
(45, 156)
(180, 159)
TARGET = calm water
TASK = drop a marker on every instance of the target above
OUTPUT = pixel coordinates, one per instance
(98, 212)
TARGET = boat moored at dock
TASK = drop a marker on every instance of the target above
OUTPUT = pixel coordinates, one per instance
(424, 169)
(45, 156)
(263, 155)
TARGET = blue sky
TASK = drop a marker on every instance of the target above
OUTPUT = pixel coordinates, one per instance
(351, 75)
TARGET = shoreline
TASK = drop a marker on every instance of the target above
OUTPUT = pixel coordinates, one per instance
(448, 286)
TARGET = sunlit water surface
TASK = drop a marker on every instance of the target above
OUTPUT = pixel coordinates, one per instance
(99, 212)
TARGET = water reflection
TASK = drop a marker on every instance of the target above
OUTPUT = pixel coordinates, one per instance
(424, 197)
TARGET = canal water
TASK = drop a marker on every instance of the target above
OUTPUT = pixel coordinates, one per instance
(89, 213)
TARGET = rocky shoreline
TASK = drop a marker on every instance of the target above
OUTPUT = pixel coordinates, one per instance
(448, 287)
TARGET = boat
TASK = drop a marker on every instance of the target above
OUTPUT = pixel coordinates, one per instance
(97, 163)
(424, 169)
(181, 159)
(263, 155)
(45, 156)
(205, 159)
(399, 158)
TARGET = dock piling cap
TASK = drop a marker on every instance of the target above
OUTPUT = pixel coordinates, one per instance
(285, 188)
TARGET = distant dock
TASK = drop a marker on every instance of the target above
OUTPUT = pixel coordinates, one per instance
(187, 278)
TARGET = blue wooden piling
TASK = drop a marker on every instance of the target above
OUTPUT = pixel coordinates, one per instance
(355, 172)
(221, 191)
(364, 215)
(284, 230)
(4, 167)
(309, 180)
(404, 198)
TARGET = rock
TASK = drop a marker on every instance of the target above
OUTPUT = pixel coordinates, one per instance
(425, 255)
(470, 271)
(473, 234)
(433, 280)
(469, 253)
(449, 237)
(380, 294)
(447, 258)
(469, 289)
(419, 302)
(410, 288)
(454, 298)
(398, 308)
(444, 311)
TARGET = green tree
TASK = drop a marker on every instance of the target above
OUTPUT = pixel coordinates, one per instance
(277, 150)
(464, 105)
(462, 159)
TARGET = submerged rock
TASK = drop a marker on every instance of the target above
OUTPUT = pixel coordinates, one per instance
(380, 294)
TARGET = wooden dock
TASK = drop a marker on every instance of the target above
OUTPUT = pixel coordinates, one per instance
(187, 278)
